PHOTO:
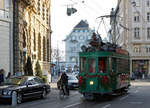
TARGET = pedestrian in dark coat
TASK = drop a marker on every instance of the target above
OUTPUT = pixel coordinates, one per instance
(1, 76)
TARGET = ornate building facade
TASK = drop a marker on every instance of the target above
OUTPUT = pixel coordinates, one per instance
(80, 35)
(31, 34)
(133, 17)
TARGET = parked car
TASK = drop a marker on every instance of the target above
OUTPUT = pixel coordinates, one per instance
(76, 73)
(72, 82)
(25, 87)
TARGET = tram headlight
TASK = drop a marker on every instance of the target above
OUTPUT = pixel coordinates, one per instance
(91, 82)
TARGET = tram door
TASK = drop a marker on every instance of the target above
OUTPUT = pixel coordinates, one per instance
(91, 82)
(113, 72)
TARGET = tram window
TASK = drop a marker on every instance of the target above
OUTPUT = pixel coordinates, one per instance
(92, 65)
(102, 64)
(83, 64)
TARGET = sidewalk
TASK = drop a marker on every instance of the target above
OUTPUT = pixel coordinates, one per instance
(53, 84)
(141, 80)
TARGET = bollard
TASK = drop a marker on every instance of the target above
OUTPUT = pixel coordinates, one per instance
(143, 76)
(14, 98)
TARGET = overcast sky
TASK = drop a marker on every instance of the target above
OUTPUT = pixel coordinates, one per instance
(86, 9)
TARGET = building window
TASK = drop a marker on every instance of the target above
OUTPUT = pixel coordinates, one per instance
(7, 4)
(147, 49)
(148, 3)
(73, 38)
(44, 49)
(43, 11)
(148, 16)
(24, 39)
(73, 59)
(136, 18)
(39, 7)
(47, 16)
(137, 33)
(137, 2)
(81, 37)
(34, 41)
(48, 46)
(137, 50)
(73, 49)
(148, 33)
(39, 46)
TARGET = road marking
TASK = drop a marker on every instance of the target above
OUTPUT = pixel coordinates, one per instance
(135, 102)
(106, 106)
(72, 105)
(123, 97)
(136, 91)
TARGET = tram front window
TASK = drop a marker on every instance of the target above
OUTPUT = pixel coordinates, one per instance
(92, 65)
(83, 64)
(102, 64)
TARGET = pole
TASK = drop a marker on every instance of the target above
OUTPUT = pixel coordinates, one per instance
(14, 98)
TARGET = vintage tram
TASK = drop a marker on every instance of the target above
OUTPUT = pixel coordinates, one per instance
(103, 71)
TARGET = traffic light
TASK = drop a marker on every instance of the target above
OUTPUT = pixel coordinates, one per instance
(74, 10)
(71, 11)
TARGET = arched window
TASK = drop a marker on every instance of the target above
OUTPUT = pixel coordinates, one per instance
(39, 46)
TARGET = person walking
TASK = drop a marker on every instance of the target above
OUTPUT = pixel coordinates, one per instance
(64, 82)
(1, 76)
(9, 75)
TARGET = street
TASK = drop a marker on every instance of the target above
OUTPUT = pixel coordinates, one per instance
(137, 97)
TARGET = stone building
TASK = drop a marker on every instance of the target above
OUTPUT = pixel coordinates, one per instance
(6, 48)
(31, 34)
(80, 35)
(133, 19)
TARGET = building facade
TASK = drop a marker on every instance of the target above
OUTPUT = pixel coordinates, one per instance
(134, 21)
(31, 34)
(6, 36)
(80, 35)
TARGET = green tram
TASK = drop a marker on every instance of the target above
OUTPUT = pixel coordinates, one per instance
(103, 72)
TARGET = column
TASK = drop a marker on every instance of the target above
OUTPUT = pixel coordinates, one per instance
(131, 67)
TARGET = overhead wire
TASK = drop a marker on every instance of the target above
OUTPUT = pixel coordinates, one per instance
(97, 4)
(84, 10)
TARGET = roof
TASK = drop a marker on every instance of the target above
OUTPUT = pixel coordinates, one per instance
(82, 24)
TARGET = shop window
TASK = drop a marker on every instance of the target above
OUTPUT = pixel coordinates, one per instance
(92, 65)
(102, 65)
(83, 64)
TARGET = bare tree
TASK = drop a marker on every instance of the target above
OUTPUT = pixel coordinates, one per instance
(57, 55)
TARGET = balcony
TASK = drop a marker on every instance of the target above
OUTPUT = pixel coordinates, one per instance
(4, 14)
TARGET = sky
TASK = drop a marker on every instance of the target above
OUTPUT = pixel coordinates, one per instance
(89, 10)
